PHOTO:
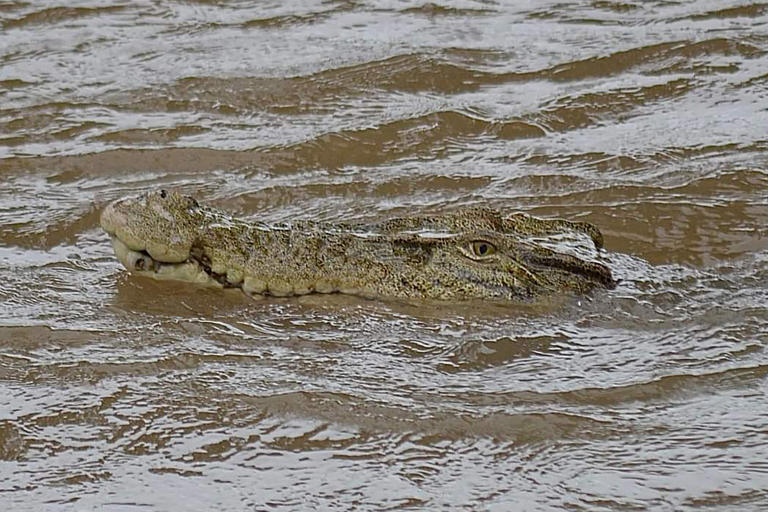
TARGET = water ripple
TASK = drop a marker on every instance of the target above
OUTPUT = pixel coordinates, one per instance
(647, 120)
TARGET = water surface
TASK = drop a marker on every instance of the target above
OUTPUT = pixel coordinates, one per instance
(648, 119)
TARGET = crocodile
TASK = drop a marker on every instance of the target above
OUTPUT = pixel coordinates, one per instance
(472, 253)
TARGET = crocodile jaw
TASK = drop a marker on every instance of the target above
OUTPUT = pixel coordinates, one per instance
(142, 263)
(192, 271)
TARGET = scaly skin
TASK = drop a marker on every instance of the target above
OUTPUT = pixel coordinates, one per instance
(470, 254)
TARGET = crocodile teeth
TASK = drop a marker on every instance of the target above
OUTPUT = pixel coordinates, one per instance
(134, 261)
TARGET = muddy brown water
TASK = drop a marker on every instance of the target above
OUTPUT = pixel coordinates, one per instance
(649, 119)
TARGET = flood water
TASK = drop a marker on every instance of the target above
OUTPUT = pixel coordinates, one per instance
(649, 119)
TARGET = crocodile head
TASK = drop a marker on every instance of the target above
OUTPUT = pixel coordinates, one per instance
(153, 234)
(471, 253)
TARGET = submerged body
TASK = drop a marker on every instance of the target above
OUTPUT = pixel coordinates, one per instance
(471, 254)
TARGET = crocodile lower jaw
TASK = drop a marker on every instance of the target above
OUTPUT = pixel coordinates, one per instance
(194, 271)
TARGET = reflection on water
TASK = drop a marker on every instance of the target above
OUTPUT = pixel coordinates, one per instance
(647, 119)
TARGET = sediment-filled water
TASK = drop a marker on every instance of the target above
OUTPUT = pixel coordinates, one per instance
(648, 119)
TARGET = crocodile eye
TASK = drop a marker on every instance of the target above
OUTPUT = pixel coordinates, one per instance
(481, 249)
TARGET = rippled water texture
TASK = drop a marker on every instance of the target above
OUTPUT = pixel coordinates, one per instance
(649, 119)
